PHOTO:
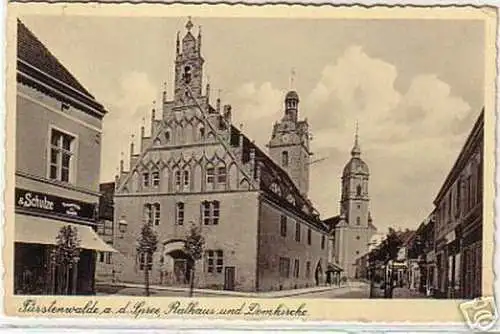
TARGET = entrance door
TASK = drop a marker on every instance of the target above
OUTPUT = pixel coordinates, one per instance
(180, 271)
(229, 274)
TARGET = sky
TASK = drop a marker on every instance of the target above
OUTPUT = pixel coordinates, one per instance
(414, 86)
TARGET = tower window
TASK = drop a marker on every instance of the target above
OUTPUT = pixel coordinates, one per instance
(284, 158)
(358, 221)
(357, 237)
(358, 190)
(187, 74)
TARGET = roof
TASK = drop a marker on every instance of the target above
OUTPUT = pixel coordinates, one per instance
(354, 166)
(271, 173)
(35, 60)
(406, 237)
(292, 95)
(475, 135)
(332, 221)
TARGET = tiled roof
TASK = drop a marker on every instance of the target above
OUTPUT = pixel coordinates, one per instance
(332, 222)
(31, 51)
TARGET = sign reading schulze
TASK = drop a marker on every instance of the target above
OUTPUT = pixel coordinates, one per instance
(50, 204)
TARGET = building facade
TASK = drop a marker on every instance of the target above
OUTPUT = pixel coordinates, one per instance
(459, 221)
(353, 228)
(58, 127)
(196, 168)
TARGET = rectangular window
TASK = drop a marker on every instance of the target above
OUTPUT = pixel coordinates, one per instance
(101, 256)
(308, 269)
(145, 261)
(178, 179)
(283, 226)
(296, 269)
(155, 176)
(156, 214)
(100, 228)
(297, 231)
(210, 212)
(145, 179)
(179, 213)
(108, 227)
(215, 261)
(221, 175)
(458, 198)
(210, 176)
(309, 236)
(323, 242)
(284, 267)
(61, 155)
(186, 179)
(449, 205)
(108, 258)
(469, 192)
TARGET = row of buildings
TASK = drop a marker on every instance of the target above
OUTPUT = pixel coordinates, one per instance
(443, 256)
(195, 167)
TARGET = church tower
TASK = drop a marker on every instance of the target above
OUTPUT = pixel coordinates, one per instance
(354, 229)
(354, 203)
(289, 144)
(188, 66)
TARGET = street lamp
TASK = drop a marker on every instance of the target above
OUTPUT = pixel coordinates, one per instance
(370, 267)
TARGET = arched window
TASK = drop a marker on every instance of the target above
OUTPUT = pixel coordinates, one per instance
(201, 132)
(358, 190)
(186, 179)
(178, 179)
(187, 74)
(284, 158)
(167, 137)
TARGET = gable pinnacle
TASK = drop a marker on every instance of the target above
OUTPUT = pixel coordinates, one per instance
(189, 24)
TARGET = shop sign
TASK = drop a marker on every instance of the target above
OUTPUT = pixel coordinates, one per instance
(54, 205)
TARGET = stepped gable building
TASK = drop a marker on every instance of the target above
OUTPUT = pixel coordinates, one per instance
(353, 229)
(261, 232)
(58, 148)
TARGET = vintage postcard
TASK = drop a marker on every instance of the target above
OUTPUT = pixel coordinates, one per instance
(244, 162)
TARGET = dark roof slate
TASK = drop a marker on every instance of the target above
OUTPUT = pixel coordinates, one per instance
(32, 51)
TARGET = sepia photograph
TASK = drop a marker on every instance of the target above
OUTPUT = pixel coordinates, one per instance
(260, 157)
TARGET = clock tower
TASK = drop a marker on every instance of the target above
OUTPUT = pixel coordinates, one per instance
(289, 144)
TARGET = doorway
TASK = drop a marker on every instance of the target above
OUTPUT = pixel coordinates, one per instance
(229, 276)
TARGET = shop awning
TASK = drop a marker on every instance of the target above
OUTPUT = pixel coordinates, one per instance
(37, 230)
(334, 267)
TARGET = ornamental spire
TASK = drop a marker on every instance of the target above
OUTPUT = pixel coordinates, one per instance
(189, 24)
(356, 150)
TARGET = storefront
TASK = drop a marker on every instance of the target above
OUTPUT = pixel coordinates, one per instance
(472, 254)
(55, 244)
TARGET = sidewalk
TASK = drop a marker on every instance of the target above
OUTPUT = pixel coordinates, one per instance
(269, 294)
(405, 293)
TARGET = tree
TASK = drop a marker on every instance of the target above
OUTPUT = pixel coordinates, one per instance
(193, 247)
(65, 256)
(147, 244)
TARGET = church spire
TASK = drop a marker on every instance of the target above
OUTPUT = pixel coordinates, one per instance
(356, 150)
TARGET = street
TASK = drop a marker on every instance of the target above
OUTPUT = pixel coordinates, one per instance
(339, 292)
